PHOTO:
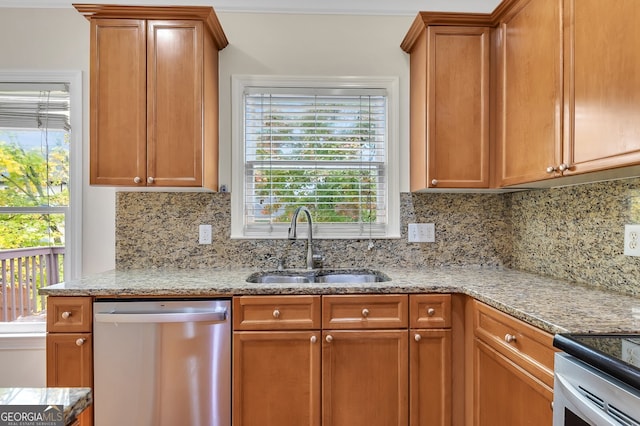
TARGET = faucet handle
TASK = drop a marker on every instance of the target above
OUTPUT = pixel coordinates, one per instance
(318, 260)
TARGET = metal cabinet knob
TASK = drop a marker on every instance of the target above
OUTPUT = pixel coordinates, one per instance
(80, 341)
(431, 312)
(150, 179)
(434, 182)
(329, 338)
(563, 167)
(276, 313)
(417, 337)
(551, 169)
(509, 338)
(314, 339)
(137, 179)
(65, 315)
(365, 312)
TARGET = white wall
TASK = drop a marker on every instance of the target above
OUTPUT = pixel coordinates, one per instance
(58, 39)
(280, 44)
(316, 45)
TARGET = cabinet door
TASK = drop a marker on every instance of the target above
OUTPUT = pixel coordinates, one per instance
(529, 101)
(450, 108)
(602, 84)
(458, 112)
(174, 103)
(70, 364)
(430, 379)
(365, 378)
(505, 394)
(118, 102)
(276, 378)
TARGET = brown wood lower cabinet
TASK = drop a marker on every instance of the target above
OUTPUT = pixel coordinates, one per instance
(364, 378)
(430, 377)
(70, 346)
(350, 368)
(506, 394)
(513, 371)
(276, 378)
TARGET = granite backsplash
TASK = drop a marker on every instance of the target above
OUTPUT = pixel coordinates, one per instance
(573, 233)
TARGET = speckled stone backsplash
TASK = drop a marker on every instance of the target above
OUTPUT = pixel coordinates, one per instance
(156, 229)
(577, 233)
(574, 233)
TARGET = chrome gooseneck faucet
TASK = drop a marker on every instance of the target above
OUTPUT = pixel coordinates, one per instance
(311, 257)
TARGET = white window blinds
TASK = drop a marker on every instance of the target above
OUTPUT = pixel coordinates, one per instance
(34, 106)
(322, 148)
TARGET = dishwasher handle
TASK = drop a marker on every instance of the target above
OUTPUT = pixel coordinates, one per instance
(159, 317)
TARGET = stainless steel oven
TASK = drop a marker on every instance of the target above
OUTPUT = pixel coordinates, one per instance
(594, 382)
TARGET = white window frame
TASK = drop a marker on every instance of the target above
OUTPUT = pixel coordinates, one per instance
(322, 231)
(73, 213)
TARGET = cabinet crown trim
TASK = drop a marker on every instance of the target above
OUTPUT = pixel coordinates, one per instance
(205, 14)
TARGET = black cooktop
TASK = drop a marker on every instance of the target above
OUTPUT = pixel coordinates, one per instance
(615, 354)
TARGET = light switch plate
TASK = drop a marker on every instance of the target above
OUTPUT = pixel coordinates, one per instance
(632, 240)
(421, 233)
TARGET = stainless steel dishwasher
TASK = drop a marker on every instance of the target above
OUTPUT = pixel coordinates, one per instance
(162, 362)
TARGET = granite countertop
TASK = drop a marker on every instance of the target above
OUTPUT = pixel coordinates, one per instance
(73, 400)
(553, 305)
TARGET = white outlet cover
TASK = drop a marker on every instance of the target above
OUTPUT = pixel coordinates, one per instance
(632, 240)
(204, 234)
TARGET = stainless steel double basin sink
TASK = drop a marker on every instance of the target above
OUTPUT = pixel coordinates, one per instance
(318, 276)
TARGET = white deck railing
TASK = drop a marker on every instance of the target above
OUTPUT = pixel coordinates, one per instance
(22, 273)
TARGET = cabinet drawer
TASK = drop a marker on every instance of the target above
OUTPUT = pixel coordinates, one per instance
(430, 310)
(276, 312)
(527, 346)
(364, 311)
(69, 314)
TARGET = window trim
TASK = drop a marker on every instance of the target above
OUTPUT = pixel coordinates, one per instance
(73, 214)
(238, 84)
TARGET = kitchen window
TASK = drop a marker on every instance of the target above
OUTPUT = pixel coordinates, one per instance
(329, 144)
(40, 186)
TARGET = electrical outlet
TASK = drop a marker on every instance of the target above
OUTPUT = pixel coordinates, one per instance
(632, 240)
(421, 233)
(204, 234)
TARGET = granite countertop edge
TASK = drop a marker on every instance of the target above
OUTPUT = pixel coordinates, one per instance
(553, 305)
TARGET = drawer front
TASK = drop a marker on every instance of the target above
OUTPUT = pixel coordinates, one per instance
(69, 314)
(276, 312)
(430, 310)
(524, 344)
(364, 311)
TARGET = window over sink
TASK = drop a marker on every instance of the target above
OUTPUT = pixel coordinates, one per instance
(329, 144)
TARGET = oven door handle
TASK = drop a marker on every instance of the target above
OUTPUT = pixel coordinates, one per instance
(159, 317)
(582, 404)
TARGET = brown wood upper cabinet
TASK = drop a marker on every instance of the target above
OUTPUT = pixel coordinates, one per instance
(449, 101)
(154, 95)
(568, 88)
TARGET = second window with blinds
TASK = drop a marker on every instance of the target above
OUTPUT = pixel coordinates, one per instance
(325, 143)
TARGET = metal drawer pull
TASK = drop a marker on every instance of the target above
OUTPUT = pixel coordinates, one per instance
(431, 312)
(80, 341)
(137, 179)
(329, 338)
(365, 312)
(509, 338)
(150, 180)
(314, 339)
(417, 337)
(276, 313)
(66, 315)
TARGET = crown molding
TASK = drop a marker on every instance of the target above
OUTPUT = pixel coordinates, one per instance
(349, 7)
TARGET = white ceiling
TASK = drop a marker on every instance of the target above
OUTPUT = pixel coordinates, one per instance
(361, 7)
